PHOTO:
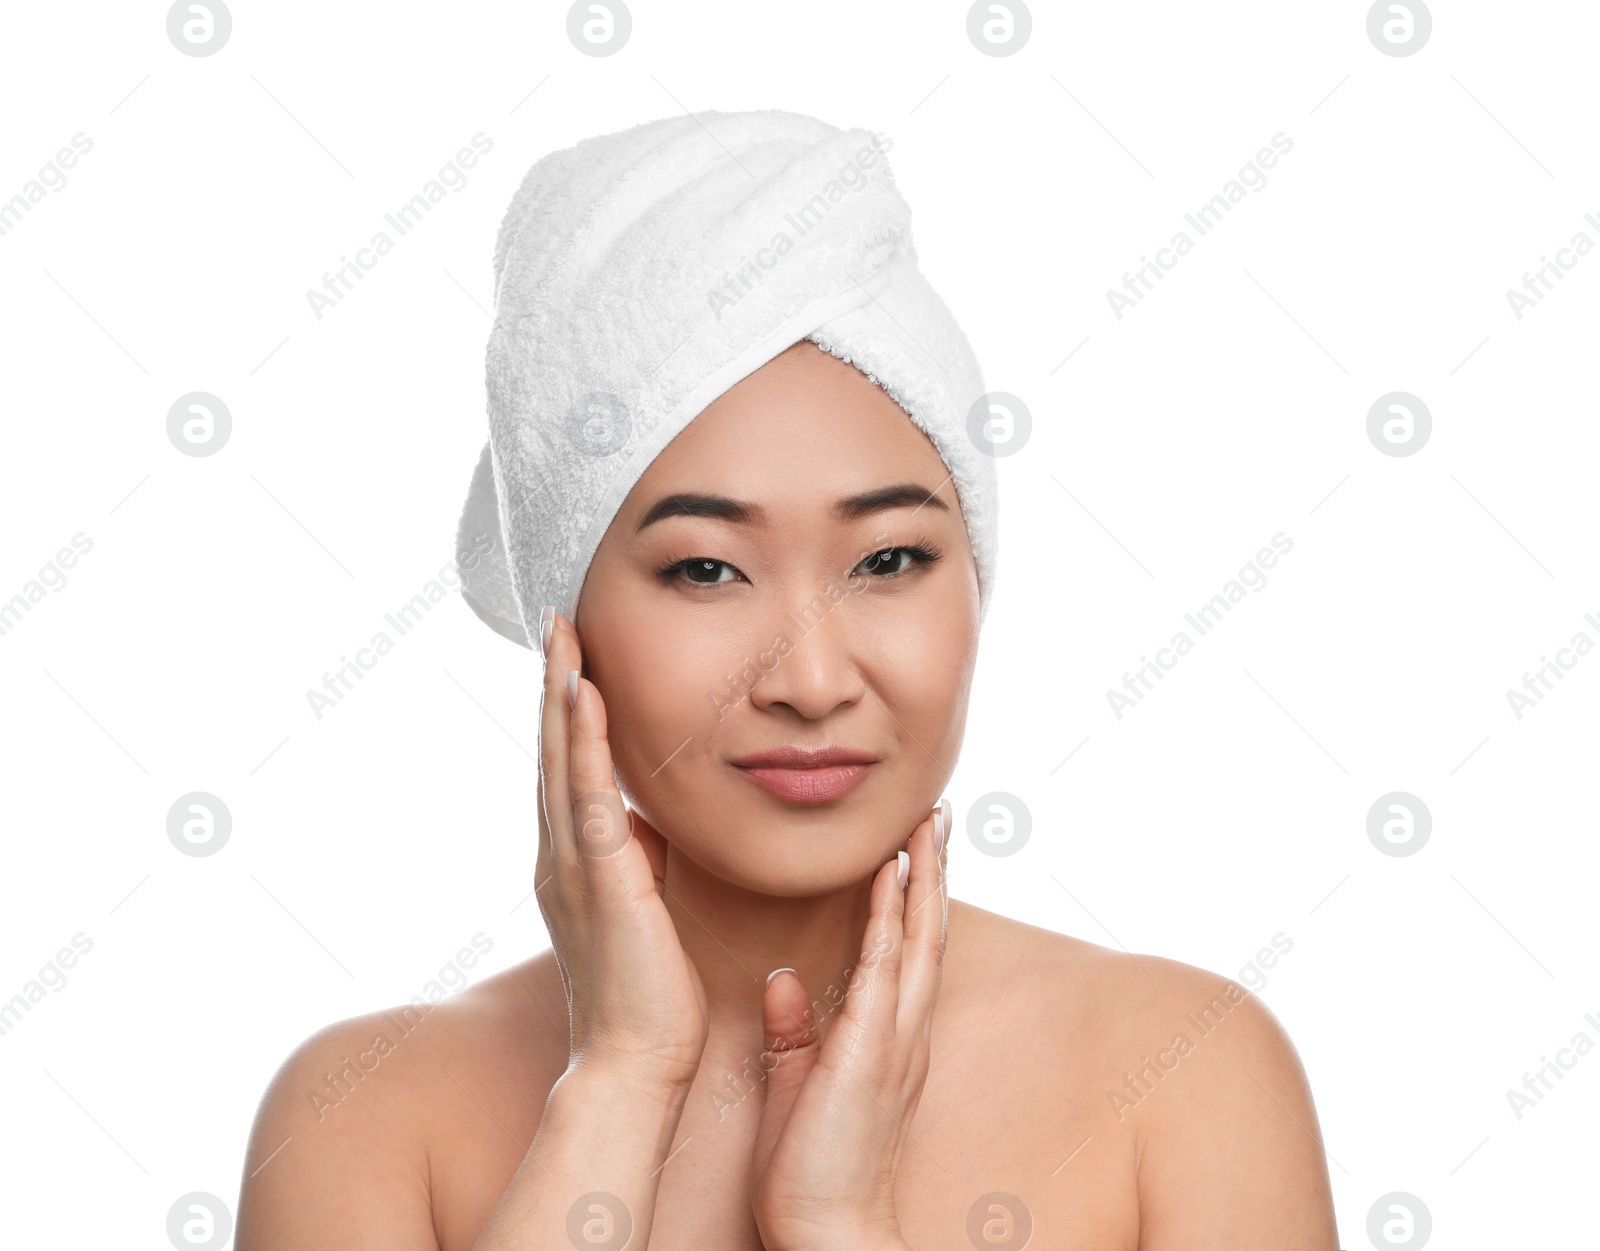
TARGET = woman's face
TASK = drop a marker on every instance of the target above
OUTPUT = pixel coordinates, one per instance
(734, 607)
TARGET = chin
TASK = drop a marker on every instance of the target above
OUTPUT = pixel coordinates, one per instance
(802, 876)
(798, 853)
(760, 842)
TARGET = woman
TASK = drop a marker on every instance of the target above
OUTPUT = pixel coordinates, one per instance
(763, 1023)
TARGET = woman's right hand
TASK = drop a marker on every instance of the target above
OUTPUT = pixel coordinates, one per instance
(635, 1001)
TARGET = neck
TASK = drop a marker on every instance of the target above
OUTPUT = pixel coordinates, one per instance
(737, 937)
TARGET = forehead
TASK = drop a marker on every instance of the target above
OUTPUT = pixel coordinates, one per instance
(805, 424)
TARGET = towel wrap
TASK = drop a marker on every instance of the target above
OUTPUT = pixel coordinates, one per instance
(641, 274)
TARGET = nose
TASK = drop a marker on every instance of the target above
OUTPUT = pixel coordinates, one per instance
(816, 673)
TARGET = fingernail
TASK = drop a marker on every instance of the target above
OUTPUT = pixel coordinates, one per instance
(547, 623)
(904, 873)
(572, 688)
(938, 828)
(775, 973)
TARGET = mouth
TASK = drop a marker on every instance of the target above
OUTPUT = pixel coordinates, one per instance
(801, 776)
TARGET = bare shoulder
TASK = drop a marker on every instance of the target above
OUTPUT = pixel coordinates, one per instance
(1083, 985)
(353, 1139)
(1135, 1005)
(1232, 1152)
(1196, 1067)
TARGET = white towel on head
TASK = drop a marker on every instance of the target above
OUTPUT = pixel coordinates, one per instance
(641, 274)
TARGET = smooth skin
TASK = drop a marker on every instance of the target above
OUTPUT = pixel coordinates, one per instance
(916, 1072)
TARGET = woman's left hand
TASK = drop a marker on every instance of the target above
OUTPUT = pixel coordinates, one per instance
(838, 1108)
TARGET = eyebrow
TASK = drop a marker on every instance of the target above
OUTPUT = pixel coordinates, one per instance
(851, 508)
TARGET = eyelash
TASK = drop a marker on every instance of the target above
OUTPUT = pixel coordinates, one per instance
(923, 553)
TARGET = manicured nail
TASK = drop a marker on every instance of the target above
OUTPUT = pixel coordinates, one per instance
(547, 624)
(904, 874)
(938, 827)
(572, 688)
(775, 973)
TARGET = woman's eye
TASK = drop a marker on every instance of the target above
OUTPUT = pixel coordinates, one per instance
(705, 572)
(883, 564)
(888, 562)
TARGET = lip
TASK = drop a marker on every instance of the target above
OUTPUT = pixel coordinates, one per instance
(807, 776)
(805, 757)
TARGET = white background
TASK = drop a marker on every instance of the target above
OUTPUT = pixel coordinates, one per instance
(1230, 404)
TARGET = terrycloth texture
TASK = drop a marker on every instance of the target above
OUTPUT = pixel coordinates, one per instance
(641, 274)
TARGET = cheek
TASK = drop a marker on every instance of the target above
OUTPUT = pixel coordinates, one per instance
(657, 682)
(922, 669)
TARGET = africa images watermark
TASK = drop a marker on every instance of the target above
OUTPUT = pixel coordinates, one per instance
(1538, 1084)
(51, 577)
(51, 177)
(342, 281)
(339, 683)
(1252, 576)
(51, 977)
(340, 1083)
(737, 684)
(798, 222)
(1536, 685)
(736, 1086)
(1250, 178)
(1537, 285)
(1140, 1085)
